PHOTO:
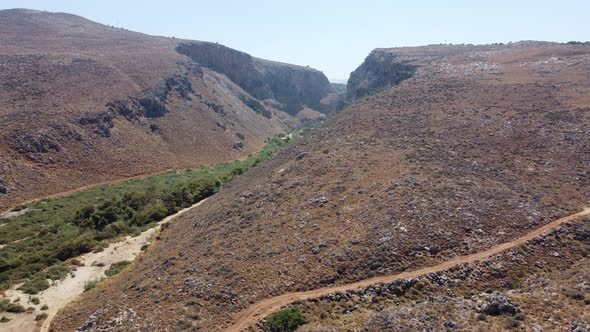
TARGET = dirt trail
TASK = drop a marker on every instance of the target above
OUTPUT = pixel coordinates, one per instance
(266, 307)
(63, 292)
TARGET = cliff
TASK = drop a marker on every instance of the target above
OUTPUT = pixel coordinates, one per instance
(381, 68)
(293, 86)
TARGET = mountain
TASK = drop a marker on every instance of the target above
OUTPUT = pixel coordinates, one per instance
(444, 150)
(84, 103)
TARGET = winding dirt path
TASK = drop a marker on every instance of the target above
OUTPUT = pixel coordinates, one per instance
(259, 310)
(65, 291)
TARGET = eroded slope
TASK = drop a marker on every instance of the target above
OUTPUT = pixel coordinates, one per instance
(480, 145)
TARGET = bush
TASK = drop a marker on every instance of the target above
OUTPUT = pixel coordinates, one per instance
(57, 272)
(150, 214)
(45, 307)
(76, 262)
(115, 268)
(34, 285)
(88, 285)
(15, 308)
(4, 319)
(35, 300)
(41, 317)
(75, 247)
(284, 321)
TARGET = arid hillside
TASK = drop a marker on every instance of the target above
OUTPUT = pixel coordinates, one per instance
(467, 147)
(83, 103)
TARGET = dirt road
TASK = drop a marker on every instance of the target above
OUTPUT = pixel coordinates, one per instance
(266, 307)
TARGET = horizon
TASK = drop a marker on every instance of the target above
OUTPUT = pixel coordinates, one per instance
(342, 33)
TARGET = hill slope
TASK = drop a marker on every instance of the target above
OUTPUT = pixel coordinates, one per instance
(479, 145)
(82, 103)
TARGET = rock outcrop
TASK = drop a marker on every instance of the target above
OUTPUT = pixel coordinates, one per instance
(380, 69)
(293, 86)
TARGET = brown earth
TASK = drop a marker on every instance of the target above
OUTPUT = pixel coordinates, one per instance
(481, 145)
(83, 103)
(541, 285)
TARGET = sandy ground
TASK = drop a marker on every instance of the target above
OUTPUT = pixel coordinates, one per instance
(259, 310)
(64, 291)
(13, 214)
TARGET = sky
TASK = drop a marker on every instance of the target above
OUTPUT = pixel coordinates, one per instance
(334, 36)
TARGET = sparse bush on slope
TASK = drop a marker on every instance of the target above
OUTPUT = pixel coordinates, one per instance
(284, 321)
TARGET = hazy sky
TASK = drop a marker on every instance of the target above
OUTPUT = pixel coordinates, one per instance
(335, 36)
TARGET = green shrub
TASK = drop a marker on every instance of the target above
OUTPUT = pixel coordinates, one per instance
(115, 268)
(76, 262)
(4, 319)
(88, 285)
(41, 317)
(34, 285)
(284, 321)
(45, 307)
(75, 247)
(35, 300)
(15, 308)
(57, 272)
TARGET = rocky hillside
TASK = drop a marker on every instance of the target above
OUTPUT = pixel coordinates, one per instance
(506, 292)
(478, 146)
(83, 103)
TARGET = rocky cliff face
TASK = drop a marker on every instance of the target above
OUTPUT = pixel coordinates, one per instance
(293, 86)
(380, 69)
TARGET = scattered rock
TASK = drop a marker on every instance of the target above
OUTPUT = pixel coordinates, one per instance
(238, 146)
(302, 155)
(3, 189)
(578, 326)
(496, 304)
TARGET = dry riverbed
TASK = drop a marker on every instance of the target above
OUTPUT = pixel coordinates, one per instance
(64, 291)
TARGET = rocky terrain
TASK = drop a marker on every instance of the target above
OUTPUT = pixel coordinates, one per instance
(452, 149)
(83, 103)
(539, 286)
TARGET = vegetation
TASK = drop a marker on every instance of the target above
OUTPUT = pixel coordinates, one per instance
(88, 285)
(34, 285)
(575, 42)
(6, 306)
(115, 268)
(59, 229)
(41, 317)
(4, 319)
(284, 320)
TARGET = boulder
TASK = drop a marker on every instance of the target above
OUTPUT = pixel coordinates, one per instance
(3, 189)
(496, 305)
